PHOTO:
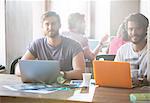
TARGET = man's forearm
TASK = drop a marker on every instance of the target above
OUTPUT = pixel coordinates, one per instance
(74, 74)
(17, 70)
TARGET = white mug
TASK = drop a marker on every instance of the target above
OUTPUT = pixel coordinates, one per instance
(134, 74)
(86, 79)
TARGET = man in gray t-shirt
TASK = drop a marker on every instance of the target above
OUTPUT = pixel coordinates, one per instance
(56, 47)
(63, 52)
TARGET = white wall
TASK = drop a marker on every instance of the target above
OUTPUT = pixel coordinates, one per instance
(148, 40)
(2, 33)
(22, 26)
(102, 18)
(37, 11)
(119, 10)
(148, 52)
(145, 9)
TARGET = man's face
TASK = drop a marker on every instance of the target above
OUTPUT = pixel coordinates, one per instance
(136, 33)
(51, 26)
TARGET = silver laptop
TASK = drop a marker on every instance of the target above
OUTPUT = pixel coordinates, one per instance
(39, 71)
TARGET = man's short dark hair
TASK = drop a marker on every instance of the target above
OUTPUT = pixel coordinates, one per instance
(138, 18)
(49, 14)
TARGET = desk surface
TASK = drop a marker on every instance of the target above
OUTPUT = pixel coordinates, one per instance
(101, 94)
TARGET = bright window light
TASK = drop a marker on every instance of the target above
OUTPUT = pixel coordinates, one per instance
(101, 17)
(66, 7)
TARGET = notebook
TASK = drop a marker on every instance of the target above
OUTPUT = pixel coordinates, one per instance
(39, 71)
(112, 74)
(140, 97)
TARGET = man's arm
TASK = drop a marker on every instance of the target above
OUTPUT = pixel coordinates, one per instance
(100, 45)
(78, 67)
(27, 56)
(88, 54)
(92, 54)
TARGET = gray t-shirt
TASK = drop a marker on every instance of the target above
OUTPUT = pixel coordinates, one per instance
(64, 52)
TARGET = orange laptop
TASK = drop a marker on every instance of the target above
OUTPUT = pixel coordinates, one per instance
(112, 74)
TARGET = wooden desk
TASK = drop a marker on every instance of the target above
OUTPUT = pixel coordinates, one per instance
(101, 95)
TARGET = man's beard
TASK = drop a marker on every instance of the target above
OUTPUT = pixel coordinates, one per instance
(142, 37)
(54, 35)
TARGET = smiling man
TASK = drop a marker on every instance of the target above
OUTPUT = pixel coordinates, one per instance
(135, 52)
(55, 47)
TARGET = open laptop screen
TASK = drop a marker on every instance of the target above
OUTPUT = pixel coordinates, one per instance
(42, 71)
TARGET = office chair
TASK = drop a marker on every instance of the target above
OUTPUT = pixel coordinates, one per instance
(13, 65)
(106, 57)
(2, 68)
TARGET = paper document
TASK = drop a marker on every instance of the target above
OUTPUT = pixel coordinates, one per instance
(83, 94)
(34, 88)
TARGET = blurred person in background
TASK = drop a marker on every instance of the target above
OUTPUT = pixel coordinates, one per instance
(119, 40)
(76, 23)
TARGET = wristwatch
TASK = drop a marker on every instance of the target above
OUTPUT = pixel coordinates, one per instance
(60, 78)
